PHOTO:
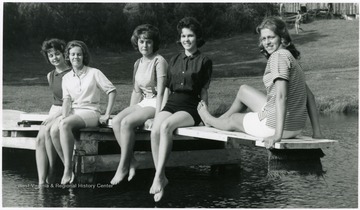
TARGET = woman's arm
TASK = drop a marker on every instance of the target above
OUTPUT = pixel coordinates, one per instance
(280, 109)
(313, 114)
(66, 107)
(160, 93)
(135, 97)
(110, 106)
(53, 116)
(204, 95)
(165, 98)
(161, 78)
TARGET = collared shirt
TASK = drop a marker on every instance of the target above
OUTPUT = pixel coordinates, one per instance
(84, 90)
(55, 80)
(281, 64)
(189, 74)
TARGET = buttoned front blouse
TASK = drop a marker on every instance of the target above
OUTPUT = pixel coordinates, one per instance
(85, 90)
(189, 74)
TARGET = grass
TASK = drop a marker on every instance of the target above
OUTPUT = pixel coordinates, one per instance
(329, 56)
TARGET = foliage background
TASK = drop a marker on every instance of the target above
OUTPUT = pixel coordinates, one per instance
(110, 25)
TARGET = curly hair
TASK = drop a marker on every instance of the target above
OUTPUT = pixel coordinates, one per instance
(194, 25)
(84, 48)
(147, 31)
(278, 26)
(48, 45)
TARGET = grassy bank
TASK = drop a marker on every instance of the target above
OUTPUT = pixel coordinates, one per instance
(329, 56)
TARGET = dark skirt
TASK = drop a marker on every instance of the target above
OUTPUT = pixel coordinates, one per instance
(183, 102)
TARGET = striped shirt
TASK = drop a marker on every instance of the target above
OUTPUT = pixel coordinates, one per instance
(281, 64)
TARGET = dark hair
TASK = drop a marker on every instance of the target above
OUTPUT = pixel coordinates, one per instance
(278, 26)
(194, 25)
(56, 44)
(84, 48)
(149, 32)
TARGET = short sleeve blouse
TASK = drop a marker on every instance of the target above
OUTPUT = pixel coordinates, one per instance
(147, 73)
(85, 90)
(189, 74)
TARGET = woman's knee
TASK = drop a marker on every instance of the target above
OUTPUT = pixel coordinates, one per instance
(65, 126)
(166, 127)
(127, 123)
(116, 121)
(243, 89)
(54, 131)
(40, 141)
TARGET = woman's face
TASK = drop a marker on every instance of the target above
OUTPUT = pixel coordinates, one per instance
(76, 56)
(270, 40)
(55, 57)
(146, 46)
(188, 40)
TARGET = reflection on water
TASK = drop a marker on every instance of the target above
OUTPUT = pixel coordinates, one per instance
(329, 182)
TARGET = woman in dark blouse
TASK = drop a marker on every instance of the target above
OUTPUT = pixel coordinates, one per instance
(187, 83)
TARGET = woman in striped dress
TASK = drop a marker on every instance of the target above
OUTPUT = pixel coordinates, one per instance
(282, 112)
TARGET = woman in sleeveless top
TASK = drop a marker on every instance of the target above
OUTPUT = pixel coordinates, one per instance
(53, 51)
(283, 111)
(146, 98)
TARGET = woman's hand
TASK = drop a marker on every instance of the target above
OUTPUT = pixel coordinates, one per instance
(49, 119)
(103, 119)
(148, 123)
(270, 141)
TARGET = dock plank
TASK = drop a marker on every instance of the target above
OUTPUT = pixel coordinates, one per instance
(300, 142)
(103, 163)
(19, 143)
(203, 132)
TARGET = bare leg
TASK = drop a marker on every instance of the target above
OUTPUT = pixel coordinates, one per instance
(55, 138)
(178, 119)
(232, 123)
(67, 139)
(133, 166)
(155, 135)
(247, 97)
(41, 156)
(116, 125)
(51, 153)
(126, 140)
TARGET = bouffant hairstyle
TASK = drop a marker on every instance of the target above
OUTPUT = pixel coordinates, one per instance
(278, 26)
(194, 25)
(146, 31)
(84, 48)
(48, 45)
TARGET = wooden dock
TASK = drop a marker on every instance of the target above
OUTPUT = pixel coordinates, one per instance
(96, 150)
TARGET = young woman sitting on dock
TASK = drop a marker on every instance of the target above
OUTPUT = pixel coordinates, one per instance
(146, 99)
(187, 83)
(81, 87)
(282, 112)
(53, 51)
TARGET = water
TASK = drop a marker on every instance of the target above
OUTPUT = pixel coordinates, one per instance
(331, 182)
